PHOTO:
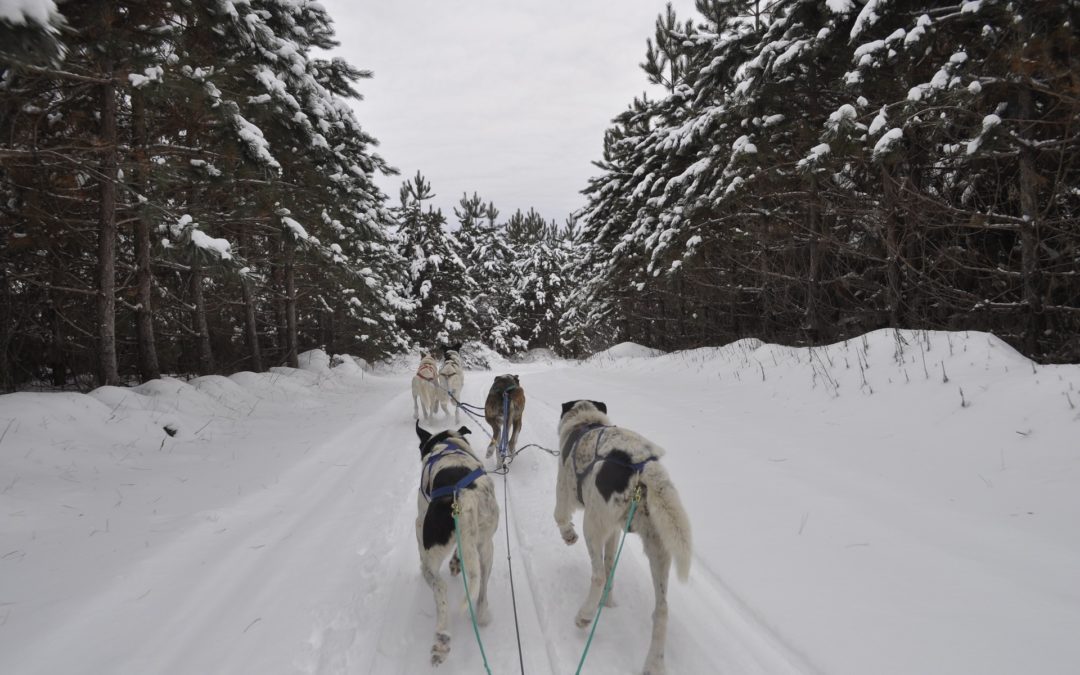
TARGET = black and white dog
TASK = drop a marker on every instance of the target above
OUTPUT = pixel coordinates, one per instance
(601, 468)
(452, 471)
(451, 380)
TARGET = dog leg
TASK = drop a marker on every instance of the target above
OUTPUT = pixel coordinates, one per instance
(415, 412)
(610, 547)
(514, 436)
(660, 564)
(564, 507)
(455, 564)
(596, 535)
(487, 553)
(441, 647)
(496, 428)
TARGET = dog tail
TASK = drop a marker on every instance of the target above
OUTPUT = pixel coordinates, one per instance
(668, 516)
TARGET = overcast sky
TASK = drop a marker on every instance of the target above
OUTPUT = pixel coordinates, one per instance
(507, 98)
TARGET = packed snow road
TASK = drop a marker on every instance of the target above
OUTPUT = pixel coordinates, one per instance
(851, 514)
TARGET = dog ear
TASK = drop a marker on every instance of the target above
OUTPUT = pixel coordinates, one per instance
(566, 407)
(516, 379)
(422, 434)
(463, 431)
(602, 407)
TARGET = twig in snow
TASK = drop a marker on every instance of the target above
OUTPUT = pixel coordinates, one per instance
(963, 401)
(252, 624)
(944, 375)
(6, 429)
(802, 525)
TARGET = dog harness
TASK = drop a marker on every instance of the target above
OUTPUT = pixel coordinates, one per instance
(426, 475)
(427, 368)
(571, 447)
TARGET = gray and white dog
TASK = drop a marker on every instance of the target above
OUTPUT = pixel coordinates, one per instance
(423, 386)
(451, 380)
(449, 466)
(601, 468)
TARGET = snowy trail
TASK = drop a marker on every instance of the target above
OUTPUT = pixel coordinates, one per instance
(709, 630)
(276, 534)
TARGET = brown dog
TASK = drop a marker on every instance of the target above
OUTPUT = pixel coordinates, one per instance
(510, 386)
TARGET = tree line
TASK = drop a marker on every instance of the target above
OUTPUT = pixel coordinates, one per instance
(814, 169)
(185, 189)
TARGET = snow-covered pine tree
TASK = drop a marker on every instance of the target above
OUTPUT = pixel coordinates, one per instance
(438, 276)
(488, 257)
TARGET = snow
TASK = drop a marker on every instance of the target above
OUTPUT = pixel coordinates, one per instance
(879, 122)
(889, 139)
(626, 350)
(845, 114)
(220, 247)
(897, 503)
(817, 153)
(743, 146)
(23, 12)
(867, 17)
(296, 228)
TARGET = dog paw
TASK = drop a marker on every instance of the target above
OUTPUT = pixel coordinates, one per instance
(455, 564)
(654, 669)
(582, 620)
(490, 450)
(483, 616)
(440, 649)
(569, 536)
(610, 601)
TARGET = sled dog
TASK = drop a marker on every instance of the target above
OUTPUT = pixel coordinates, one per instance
(601, 467)
(513, 407)
(449, 467)
(451, 380)
(423, 386)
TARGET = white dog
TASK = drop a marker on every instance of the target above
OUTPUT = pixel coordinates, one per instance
(451, 380)
(424, 386)
(451, 471)
(601, 468)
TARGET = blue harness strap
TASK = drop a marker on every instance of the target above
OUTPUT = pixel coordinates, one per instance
(571, 447)
(425, 474)
(448, 490)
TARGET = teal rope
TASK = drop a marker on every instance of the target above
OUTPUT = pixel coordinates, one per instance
(610, 579)
(465, 578)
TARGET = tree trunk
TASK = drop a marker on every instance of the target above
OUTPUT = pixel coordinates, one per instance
(277, 277)
(814, 323)
(1029, 234)
(144, 276)
(202, 337)
(289, 254)
(892, 248)
(251, 325)
(106, 301)
(7, 330)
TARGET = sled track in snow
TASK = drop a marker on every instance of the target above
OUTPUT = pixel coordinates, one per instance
(385, 623)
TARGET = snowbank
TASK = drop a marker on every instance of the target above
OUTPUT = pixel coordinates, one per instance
(625, 350)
